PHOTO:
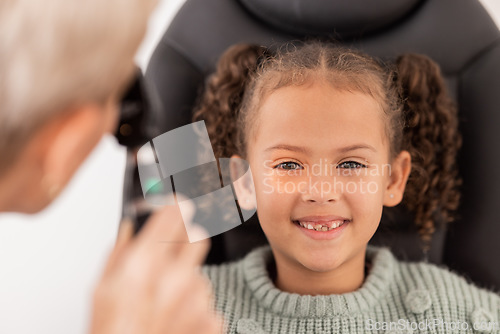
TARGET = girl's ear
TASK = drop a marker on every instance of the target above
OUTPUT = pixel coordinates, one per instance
(399, 172)
(243, 182)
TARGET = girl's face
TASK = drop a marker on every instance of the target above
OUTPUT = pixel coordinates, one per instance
(320, 158)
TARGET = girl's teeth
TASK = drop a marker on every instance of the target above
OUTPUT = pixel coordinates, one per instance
(320, 227)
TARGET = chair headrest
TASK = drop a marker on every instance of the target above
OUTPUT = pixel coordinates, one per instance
(343, 18)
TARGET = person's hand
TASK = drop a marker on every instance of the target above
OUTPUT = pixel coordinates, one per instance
(151, 286)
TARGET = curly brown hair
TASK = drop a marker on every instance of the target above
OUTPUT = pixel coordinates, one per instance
(420, 116)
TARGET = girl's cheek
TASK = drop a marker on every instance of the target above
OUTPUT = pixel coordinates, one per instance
(282, 185)
(365, 198)
(269, 191)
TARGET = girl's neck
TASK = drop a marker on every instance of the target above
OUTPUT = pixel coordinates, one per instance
(292, 277)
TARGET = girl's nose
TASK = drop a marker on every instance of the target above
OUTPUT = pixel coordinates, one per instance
(321, 190)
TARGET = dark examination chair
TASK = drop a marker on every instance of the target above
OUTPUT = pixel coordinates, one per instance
(459, 35)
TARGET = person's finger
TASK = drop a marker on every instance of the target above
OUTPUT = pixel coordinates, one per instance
(125, 233)
(169, 223)
(173, 291)
(198, 306)
(162, 239)
(190, 296)
(165, 227)
(193, 254)
(214, 325)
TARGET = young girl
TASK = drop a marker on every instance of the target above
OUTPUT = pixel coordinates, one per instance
(332, 136)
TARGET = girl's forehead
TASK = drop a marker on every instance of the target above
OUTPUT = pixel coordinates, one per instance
(319, 114)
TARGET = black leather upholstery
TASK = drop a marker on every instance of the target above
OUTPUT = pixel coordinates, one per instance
(459, 35)
(318, 17)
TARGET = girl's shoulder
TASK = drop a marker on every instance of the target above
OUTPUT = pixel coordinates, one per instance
(429, 286)
(440, 278)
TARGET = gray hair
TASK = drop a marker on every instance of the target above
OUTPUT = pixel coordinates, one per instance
(58, 53)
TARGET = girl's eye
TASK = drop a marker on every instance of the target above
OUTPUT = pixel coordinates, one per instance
(351, 165)
(288, 165)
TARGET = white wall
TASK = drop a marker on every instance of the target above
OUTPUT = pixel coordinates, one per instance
(493, 7)
(50, 262)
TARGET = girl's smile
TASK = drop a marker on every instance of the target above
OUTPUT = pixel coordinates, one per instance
(321, 227)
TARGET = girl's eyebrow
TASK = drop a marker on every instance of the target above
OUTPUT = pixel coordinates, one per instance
(300, 149)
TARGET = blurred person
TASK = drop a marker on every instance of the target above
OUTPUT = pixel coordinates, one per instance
(63, 68)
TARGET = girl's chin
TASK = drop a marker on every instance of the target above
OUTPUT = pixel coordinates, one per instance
(319, 263)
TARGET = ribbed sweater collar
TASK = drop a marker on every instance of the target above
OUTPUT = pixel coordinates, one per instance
(374, 288)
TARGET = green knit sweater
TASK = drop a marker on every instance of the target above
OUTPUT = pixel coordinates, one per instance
(396, 297)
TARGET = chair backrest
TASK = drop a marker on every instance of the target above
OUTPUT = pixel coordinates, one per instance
(459, 35)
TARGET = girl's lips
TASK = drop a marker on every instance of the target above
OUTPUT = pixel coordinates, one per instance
(322, 235)
(321, 218)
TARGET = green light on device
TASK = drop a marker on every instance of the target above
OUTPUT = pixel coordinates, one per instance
(154, 186)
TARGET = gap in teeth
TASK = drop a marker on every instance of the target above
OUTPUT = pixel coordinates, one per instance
(321, 227)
